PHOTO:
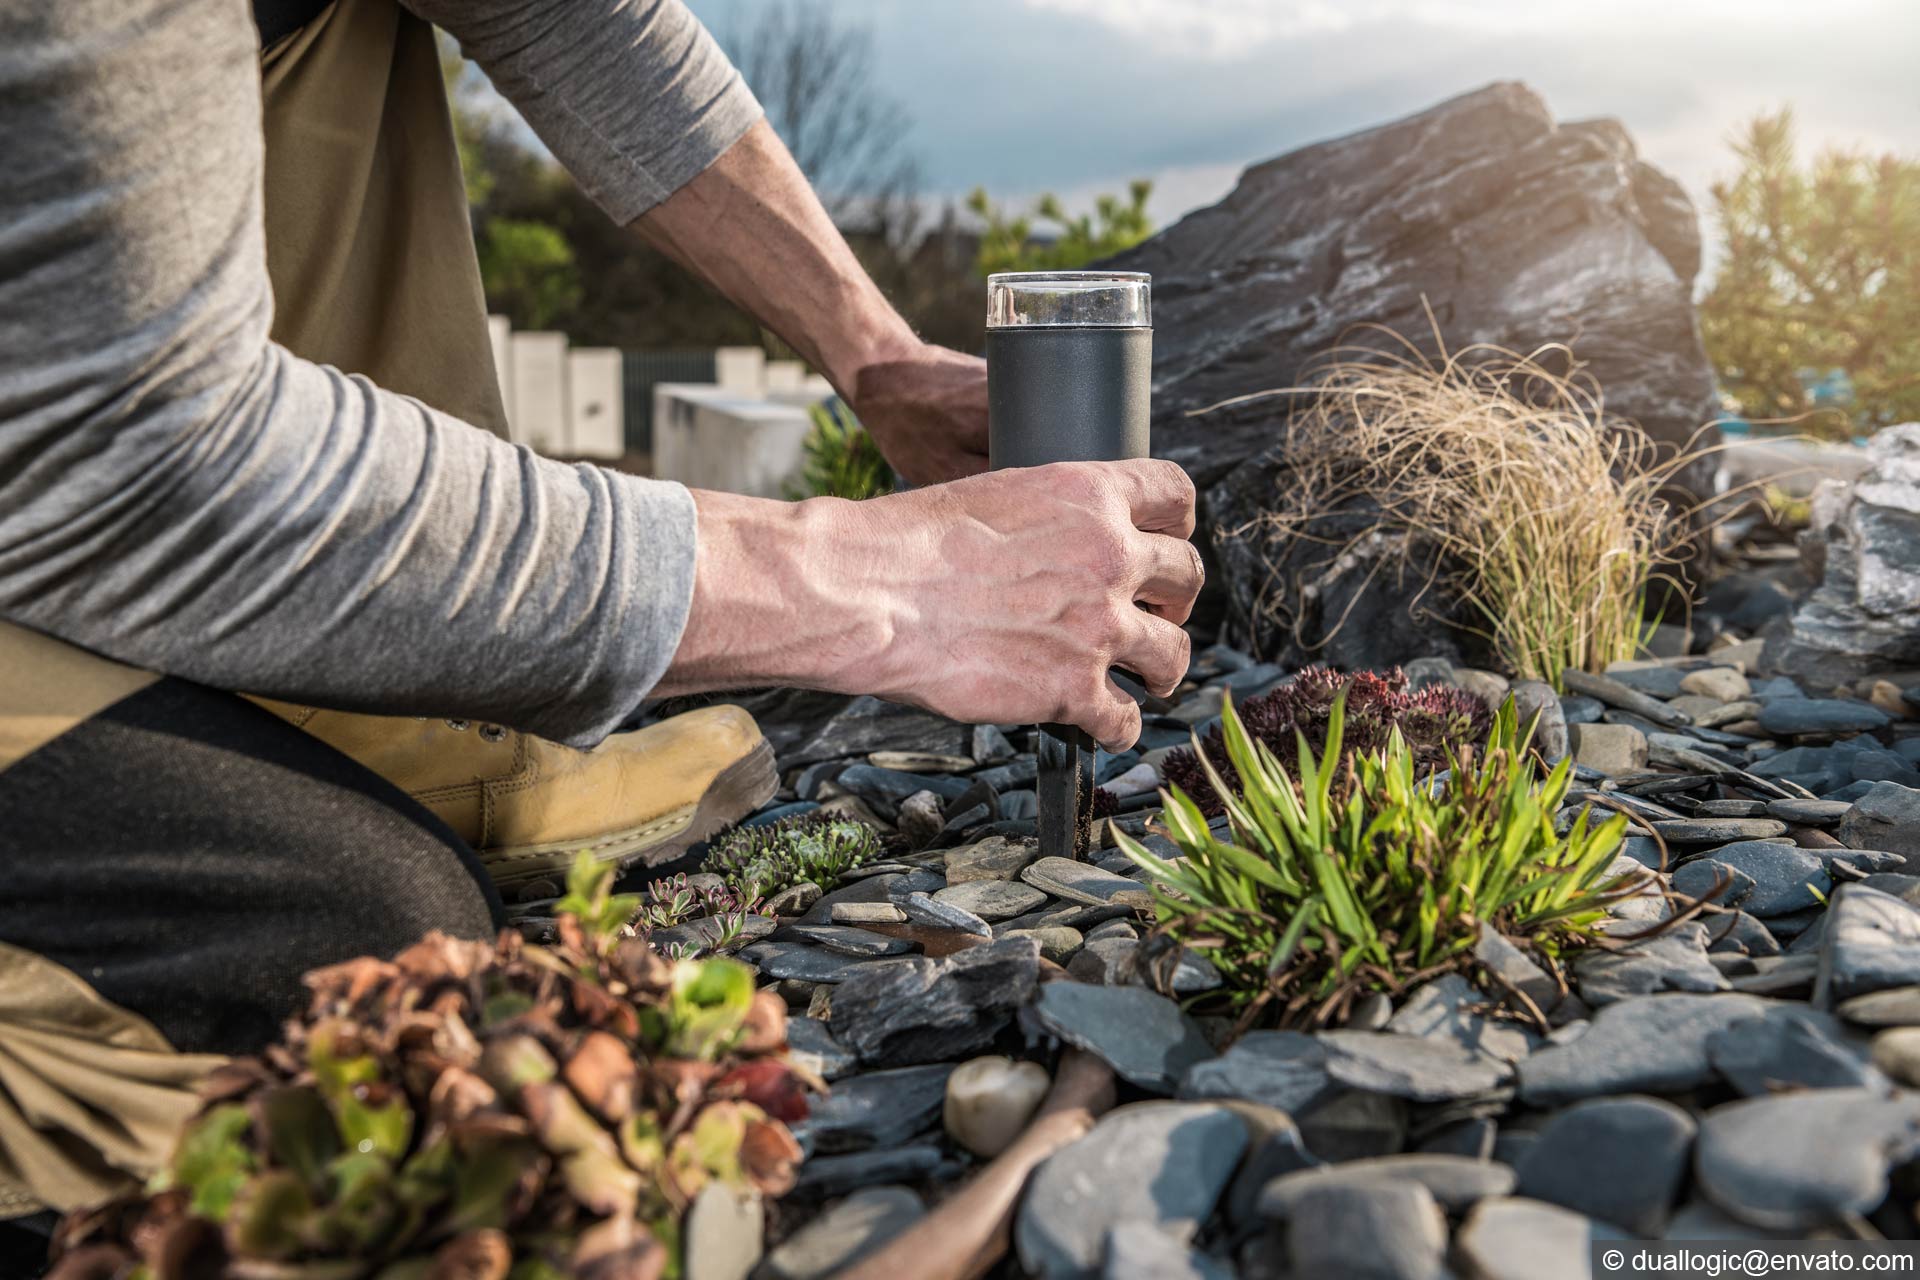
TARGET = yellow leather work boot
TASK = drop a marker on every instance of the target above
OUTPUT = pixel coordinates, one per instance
(527, 806)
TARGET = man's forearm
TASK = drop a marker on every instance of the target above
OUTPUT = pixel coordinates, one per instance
(994, 598)
(751, 226)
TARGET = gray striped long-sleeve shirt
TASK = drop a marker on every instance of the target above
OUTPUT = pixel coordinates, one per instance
(180, 493)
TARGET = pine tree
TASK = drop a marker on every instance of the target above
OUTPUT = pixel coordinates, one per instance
(1820, 273)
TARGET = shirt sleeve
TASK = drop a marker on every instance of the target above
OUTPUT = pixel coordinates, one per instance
(180, 493)
(634, 97)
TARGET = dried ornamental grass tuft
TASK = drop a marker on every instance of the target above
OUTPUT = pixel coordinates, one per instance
(1323, 892)
(474, 1111)
(1435, 723)
(1552, 519)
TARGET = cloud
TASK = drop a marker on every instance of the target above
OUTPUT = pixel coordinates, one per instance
(1078, 96)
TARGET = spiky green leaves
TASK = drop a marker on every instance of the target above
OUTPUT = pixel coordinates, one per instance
(1433, 722)
(1350, 873)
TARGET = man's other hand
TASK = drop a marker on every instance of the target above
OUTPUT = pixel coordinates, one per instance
(927, 410)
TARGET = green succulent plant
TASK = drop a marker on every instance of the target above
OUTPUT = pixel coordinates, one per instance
(764, 861)
(838, 458)
(1432, 721)
(1320, 892)
(508, 1111)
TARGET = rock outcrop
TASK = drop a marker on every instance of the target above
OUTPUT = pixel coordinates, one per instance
(1515, 231)
(1863, 550)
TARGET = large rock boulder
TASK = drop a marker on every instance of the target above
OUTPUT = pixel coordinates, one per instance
(1515, 230)
(1863, 549)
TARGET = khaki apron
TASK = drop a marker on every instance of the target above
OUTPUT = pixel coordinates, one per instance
(370, 251)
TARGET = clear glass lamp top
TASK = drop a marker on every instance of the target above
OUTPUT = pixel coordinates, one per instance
(1070, 300)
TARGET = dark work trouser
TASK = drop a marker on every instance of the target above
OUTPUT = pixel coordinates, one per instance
(191, 855)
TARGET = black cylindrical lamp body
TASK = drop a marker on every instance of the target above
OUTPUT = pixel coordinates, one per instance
(1069, 379)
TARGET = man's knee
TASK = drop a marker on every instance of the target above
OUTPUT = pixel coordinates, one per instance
(192, 855)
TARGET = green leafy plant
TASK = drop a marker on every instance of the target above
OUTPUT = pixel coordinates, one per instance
(1435, 722)
(1819, 273)
(1008, 243)
(473, 1110)
(820, 848)
(529, 271)
(1320, 892)
(839, 459)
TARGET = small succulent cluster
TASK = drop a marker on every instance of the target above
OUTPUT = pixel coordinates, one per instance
(505, 1111)
(677, 899)
(1435, 722)
(815, 847)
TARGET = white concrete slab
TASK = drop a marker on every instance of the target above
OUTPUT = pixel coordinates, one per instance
(539, 406)
(707, 438)
(596, 403)
(742, 371)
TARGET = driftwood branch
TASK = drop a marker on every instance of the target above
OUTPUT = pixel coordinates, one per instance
(970, 1231)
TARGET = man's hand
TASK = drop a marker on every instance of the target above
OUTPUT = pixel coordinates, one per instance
(753, 229)
(927, 410)
(999, 598)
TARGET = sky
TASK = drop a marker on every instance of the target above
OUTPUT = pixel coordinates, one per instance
(1080, 96)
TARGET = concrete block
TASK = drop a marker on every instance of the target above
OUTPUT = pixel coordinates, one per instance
(596, 403)
(740, 371)
(706, 438)
(500, 337)
(785, 375)
(539, 406)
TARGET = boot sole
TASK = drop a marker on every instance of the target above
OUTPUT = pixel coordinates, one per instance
(736, 791)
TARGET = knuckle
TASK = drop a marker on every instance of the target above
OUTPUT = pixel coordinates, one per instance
(1108, 556)
(1175, 478)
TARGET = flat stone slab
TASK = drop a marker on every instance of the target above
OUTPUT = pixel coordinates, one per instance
(1791, 1047)
(1453, 1008)
(1893, 1007)
(992, 900)
(1389, 1229)
(813, 1045)
(1886, 817)
(806, 963)
(1719, 830)
(1163, 1164)
(932, 911)
(1672, 961)
(1872, 942)
(1808, 813)
(1146, 1038)
(920, 1010)
(1140, 1251)
(1781, 877)
(1615, 694)
(1286, 1070)
(995, 858)
(1800, 1160)
(844, 1234)
(1456, 1183)
(1510, 1238)
(1620, 1160)
(1793, 717)
(1648, 1044)
(850, 941)
(1085, 884)
(1416, 1068)
(875, 1109)
(858, 913)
